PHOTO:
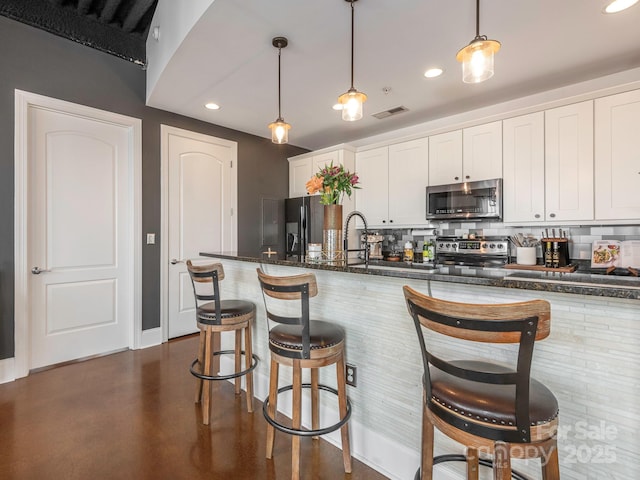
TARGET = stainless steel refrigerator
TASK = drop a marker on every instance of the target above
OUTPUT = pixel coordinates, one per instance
(303, 220)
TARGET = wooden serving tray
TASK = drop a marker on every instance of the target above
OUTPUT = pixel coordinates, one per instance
(541, 268)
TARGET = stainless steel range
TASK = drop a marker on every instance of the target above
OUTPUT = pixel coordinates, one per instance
(483, 252)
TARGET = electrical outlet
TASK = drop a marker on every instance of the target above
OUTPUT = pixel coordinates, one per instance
(352, 375)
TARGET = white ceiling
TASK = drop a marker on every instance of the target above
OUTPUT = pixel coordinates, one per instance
(228, 58)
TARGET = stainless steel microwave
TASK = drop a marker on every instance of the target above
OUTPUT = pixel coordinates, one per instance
(468, 200)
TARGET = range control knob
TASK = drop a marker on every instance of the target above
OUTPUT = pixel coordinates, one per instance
(500, 246)
(492, 246)
(448, 245)
(484, 245)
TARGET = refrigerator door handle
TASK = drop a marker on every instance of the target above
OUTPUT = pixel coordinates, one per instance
(303, 232)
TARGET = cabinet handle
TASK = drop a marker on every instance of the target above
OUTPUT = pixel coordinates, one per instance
(456, 178)
(537, 215)
(390, 221)
(384, 221)
(467, 177)
(552, 215)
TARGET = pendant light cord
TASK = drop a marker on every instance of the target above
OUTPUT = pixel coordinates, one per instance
(477, 18)
(279, 101)
(352, 41)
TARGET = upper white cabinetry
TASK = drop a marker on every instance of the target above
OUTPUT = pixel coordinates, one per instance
(467, 155)
(617, 154)
(393, 181)
(482, 152)
(523, 168)
(445, 158)
(299, 174)
(302, 167)
(569, 162)
(548, 165)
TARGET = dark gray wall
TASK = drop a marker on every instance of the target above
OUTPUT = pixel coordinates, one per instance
(38, 62)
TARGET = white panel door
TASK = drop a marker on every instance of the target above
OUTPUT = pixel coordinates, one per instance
(78, 237)
(408, 180)
(300, 171)
(201, 204)
(617, 157)
(569, 162)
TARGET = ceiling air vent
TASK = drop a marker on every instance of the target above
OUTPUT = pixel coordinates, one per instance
(390, 112)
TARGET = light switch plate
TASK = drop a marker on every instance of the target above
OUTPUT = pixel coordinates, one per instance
(151, 238)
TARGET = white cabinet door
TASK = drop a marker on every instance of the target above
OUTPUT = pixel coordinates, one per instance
(445, 158)
(523, 168)
(328, 158)
(299, 174)
(569, 162)
(482, 152)
(372, 199)
(617, 157)
(408, 179)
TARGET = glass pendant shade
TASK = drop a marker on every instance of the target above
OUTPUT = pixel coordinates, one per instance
(477, 60)
(279, 131)
(351, 102)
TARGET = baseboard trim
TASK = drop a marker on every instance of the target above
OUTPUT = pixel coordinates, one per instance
(7, 370)
(151, 337)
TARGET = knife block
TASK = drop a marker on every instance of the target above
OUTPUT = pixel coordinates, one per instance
(563, 249)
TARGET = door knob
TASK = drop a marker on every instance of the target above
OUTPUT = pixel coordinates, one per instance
(174, 261)
(38, 271)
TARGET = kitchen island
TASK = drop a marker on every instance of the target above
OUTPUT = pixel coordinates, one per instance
(590, 360)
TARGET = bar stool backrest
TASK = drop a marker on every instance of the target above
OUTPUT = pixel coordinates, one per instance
(204, 279)
(519, 323)
(291, 288)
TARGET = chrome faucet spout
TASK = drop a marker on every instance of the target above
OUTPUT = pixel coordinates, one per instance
(355, 213)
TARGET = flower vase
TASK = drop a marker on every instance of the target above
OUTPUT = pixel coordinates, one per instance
(332, 246)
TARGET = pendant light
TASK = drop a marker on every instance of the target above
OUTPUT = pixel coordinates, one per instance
(352, 100)
(477, 57)
(279, 128)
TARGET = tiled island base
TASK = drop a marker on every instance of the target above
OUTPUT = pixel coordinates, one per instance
(591, 361)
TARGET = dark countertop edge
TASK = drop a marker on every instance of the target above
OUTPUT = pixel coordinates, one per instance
(506, 282)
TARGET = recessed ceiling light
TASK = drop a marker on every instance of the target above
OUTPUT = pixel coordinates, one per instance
(433, 72)
(337, 106)
(212, 106)
(619, 5)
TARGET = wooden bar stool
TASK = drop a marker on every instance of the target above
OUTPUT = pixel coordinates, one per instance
(215, 316)
(490, 408)
(298, 342)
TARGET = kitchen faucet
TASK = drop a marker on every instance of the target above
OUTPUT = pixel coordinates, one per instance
(352, 214)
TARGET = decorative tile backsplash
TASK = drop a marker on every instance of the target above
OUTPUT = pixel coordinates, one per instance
(580, 238)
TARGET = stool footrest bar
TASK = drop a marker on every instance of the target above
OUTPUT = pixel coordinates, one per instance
(196, 373)
(461, 458)
(300, 432)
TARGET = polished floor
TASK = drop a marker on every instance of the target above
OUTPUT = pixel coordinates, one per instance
(131, 415)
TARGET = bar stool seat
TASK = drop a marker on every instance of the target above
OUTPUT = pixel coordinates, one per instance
(301, 343)
(493, 409)
(215, 316)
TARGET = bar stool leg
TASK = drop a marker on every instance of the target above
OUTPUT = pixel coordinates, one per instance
(273, 403)
(315, 401)
(238, 359)
(296, 419)
(426, 464)
(550, 464)
(216, 336)
(342, 403)
(208, 353)
(248, 352)
(199, 381)
(501, 462)
(472, 463)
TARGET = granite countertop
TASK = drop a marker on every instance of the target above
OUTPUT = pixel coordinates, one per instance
(574, 283)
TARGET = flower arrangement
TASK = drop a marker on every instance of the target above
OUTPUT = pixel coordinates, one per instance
(332, 182)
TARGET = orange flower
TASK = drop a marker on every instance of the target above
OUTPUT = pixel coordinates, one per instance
(314, 185)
